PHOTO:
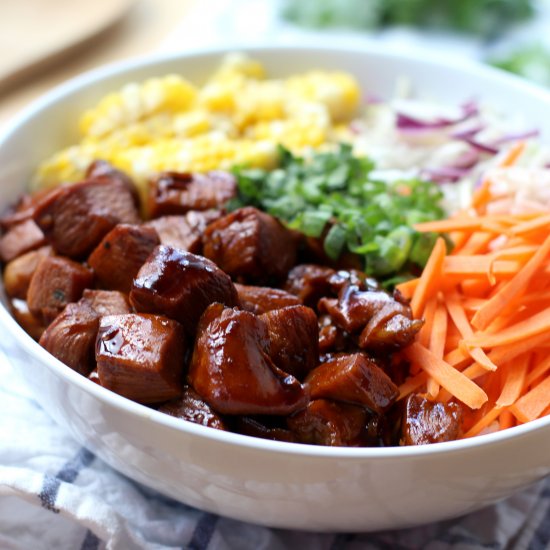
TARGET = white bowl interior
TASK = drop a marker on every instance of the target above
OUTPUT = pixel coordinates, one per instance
(295, 486)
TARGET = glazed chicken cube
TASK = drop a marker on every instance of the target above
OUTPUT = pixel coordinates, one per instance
(309, 282)
(30, 323)
(141, 357)
(55, 283)
(325, 422)
(107, 302)
(231, 368)
(181, 286)
(427, 421)
(184, 232)
(178, 192)
(77, 217)
(190, 406)
(260, 299)
(19, 239)
(353, 378)
(294, 339)
(118, 257)
(71, 337)
(18, 272)
(251, 246)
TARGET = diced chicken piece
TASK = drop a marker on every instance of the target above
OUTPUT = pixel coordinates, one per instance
(181, 286)
(141, 357)
(119, 256)
(325, 422)
(353, 379)
(107, 302)
(71, 337)
(80, 215)
(19, 239)
(389, 331)
(331, 337)
(427, 421)
(101, 170)
(260, 299)
(309, 282)
(94, 377)
(33, 326)
(251, 246)
(190, 406)
(18, 272)
(25, 208)
(177, 193)
(184, 232)
(55, 283)
(253, 427)
(382, 321)
(294, 339)
(231, 368)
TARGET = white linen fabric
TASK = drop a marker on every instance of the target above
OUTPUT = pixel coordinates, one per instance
(56, 495)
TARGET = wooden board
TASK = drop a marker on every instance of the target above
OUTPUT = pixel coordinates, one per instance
(33, 31)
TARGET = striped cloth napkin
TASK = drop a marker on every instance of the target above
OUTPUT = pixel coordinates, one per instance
(55, 494)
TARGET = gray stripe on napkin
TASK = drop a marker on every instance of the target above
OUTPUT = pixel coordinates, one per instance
(90, 542)
(68, 473)
(203, 532)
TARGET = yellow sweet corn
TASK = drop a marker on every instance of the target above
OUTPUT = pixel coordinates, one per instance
(134, 102)
(237, 117)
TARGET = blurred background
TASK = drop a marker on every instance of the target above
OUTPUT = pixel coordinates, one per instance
(44, 42)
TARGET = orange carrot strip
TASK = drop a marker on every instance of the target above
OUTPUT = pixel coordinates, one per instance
(513, 154)
(428, 316)
(536, 224)
(515, 287)
(476, 243)
(532, 404)
(486, 420)
(438, 333)
(506, 419)
(456, 311)
(513, 333)
(429, 280)
(449, 378)
(475, 288)
(514, 382)
(412, 384)
(510, 352)
(407, 288)
(540, 370)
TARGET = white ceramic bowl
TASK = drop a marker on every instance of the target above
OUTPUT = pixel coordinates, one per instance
(273, 483)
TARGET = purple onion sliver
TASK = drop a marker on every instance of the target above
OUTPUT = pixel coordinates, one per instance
(483, 147)
(468, 159)
(447, 174)
(469, 133)
(406, 122)
(516, 137)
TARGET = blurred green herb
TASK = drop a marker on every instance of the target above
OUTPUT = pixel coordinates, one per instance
(531, 61)
(485, 18)
(333, 196)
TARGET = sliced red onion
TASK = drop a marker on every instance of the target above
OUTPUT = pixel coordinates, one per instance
(407, 122)
(445, 174)
(482, 147)
(468, 133)
(516, 137)
(468, 159)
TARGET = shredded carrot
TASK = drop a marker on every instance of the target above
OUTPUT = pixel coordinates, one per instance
(514, 333)
(486, 338)
(452, 380)
(513, 154)
(514, 382)
(516, 286)
(429, 280)
(531, 405)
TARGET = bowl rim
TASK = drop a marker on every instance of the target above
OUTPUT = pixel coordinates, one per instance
(122, 404)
